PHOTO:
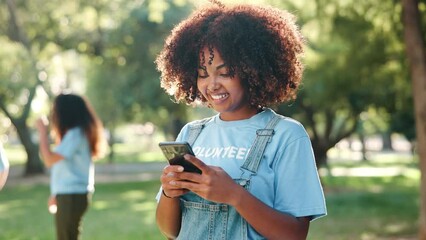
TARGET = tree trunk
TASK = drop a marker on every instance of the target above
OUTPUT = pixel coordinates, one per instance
(176, 126)
(363, 146)
(320, 152)
(111, 143)
(33, 165)
(416, 55)
(387, 141)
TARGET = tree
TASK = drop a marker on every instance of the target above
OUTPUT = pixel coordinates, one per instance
(128, 65)
(347, 68)
(19, 82)
(124, 62)
(416, 55)
(38, 31)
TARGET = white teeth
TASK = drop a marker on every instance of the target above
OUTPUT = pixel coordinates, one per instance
(220, 96)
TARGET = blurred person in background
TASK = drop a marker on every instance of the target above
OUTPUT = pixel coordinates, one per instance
(4, 166)
(78, 138)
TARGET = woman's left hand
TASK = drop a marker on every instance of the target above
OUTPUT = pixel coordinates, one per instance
(214, 184)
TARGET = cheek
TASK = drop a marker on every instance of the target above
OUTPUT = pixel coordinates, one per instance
(201, 86)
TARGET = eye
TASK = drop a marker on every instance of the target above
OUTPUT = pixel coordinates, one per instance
(225, 73)
(202, 75)
(202, 72)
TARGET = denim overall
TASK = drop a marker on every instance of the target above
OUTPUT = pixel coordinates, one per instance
(203, 219)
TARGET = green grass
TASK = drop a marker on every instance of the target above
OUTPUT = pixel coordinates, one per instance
(358, 208)
(118, 211)
(368, 208)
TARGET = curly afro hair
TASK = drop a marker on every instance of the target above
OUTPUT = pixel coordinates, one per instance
(261, 45)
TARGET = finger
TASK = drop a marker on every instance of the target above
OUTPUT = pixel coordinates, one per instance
(191, 186)
(172, 168)
(170, 186)
(166, 177)
(168, 174)
(197, 162)
(44, 120)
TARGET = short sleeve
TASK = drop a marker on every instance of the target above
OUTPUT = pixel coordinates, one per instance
(70, 143)
(298, 190)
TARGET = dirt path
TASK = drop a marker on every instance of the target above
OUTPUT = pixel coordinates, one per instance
(104, 173)
(126, 172)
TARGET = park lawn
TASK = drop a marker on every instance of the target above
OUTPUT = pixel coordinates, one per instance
(365, 208)
(358, 208)
(118, 211)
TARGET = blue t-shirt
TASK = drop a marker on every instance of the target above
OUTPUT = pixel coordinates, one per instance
(287, 178)
(75, 173)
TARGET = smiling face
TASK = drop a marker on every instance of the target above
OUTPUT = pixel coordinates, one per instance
(224, 92)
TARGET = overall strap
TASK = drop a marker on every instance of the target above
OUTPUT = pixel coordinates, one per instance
(195, 130)
(263, 137)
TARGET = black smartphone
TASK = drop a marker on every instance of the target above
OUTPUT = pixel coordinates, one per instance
(174, 152)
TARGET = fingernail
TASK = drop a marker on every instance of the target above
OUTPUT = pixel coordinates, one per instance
(180, 168)
(170, 174)
(172, 182)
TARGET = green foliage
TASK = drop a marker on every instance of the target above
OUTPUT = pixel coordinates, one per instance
(354, 63)
(16, 75)
(124, 83)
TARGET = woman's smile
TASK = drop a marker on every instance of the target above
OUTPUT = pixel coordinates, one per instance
(223, 91)
(218, 97)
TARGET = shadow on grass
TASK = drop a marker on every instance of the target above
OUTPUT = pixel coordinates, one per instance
(368, 208)
(117, 211)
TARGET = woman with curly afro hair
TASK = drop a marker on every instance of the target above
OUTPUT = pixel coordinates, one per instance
(258, 175)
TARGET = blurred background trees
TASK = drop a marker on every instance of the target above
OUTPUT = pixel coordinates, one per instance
(103, 49)
(355, 66)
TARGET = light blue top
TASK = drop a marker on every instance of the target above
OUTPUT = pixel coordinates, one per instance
(75, 173)
(4, 163)
(287, 178)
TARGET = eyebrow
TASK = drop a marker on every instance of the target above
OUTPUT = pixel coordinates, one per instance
(221, 66)
(217, 68)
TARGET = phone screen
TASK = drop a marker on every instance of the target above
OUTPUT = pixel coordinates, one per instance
(174, 152)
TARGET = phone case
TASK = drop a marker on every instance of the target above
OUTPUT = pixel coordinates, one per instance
(174, 152)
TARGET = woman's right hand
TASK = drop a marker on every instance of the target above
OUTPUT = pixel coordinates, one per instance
(169, 175)
(168, 213)
(42, 123)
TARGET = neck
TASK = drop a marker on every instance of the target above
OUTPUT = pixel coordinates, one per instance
(241, 115)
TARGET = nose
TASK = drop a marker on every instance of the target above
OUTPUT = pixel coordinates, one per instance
(213, 84)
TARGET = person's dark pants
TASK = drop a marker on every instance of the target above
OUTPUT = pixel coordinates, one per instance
(71, 208)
